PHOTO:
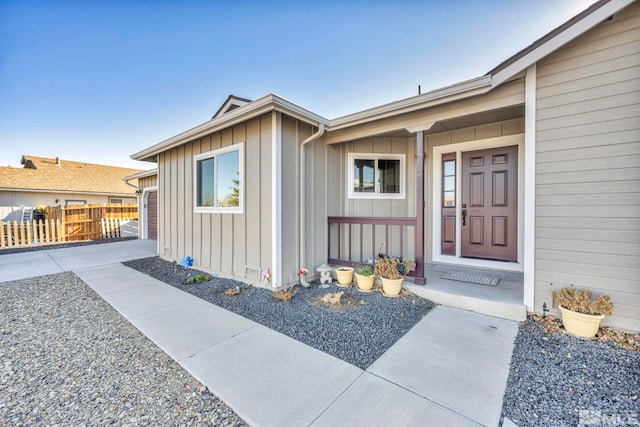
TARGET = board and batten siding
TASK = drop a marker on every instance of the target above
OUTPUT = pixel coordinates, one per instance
(588, 168)
(231, 245)
(293, 133)
(377, 207)
(148, 181)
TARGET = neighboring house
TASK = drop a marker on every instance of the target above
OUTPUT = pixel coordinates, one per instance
(52, 182)
(147, 203)
(533, 168)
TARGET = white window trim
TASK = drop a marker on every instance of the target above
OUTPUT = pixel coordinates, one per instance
(376, 156)
(215, 153)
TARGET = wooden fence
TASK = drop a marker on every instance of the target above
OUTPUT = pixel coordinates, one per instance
(69, 223)
(84, 222)
(21, 233)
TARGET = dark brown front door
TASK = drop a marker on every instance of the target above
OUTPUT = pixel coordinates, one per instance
(490, 204)
(152, 215)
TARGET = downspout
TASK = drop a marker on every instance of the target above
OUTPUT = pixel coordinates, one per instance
(126, 181)
(301, 211)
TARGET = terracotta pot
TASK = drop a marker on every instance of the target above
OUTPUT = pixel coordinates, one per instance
(344, 275)
(391, 287)
(581, 325)
(365, 283)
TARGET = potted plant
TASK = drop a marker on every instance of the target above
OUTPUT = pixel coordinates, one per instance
(581, 315)
(390, 270)
(365, 278)
(344, 275)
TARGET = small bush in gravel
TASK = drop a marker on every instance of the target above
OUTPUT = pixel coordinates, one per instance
(198, 278)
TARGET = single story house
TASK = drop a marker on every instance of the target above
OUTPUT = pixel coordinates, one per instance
(45, 181)
(532, 168)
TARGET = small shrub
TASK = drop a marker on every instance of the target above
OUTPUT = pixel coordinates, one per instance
(365, 270)
(200, 278)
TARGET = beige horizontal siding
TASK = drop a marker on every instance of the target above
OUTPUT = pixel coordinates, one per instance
(588, 167)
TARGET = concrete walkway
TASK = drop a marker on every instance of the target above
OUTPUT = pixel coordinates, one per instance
(450, 369)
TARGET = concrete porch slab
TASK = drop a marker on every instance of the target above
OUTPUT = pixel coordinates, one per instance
(455, 358)
(270, 379)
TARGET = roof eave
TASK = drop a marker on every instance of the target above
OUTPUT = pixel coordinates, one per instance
(555, 39)
(266, 104)
(143, 174)
(443, 95)
(44, 190)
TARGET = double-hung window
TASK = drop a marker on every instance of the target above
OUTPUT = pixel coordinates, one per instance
(376, 176)
(218, 180)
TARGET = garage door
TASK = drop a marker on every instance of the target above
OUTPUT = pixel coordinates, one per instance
(152, 215)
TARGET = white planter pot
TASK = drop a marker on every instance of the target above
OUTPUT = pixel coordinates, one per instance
(391, 287)
(344, 275)
(365, 283)
(581, 325)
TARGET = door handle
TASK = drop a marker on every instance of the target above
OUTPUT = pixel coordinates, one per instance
(464, 217)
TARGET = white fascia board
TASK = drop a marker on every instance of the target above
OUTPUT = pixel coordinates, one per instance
(292, 109)
(267, 103)
(439, 96)
(142, 174)
(579, 28)
(90, 193)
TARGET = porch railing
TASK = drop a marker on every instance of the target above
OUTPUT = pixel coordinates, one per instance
(348, 250)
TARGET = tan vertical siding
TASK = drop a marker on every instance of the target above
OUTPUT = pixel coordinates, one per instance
(148, 181)
(293, 133)
(588, 167)
(232, 245)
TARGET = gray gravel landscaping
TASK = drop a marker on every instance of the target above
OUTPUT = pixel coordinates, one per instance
(560, 380)
(68, 358)
(358, 331)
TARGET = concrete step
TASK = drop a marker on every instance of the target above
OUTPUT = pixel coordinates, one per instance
(503, 310)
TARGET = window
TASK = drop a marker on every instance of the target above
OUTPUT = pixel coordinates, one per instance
(75, 202)
(218, 179)
(121, 200)
(376, 176)
(448, 181)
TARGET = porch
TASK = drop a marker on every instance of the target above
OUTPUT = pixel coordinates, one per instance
(505, 300)
(359, 240)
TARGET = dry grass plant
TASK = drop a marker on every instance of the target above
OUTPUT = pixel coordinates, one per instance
(285, 294)
(626, 340)
(393, 268)
(579, 300)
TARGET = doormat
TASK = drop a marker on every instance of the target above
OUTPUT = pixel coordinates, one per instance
(471, 278)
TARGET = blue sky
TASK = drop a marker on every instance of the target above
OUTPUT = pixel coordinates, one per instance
(97, 81)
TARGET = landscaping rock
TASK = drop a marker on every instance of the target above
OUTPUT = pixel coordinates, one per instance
(356, 333)
(68, 358)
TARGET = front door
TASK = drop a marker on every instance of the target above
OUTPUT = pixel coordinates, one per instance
(489, 204)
